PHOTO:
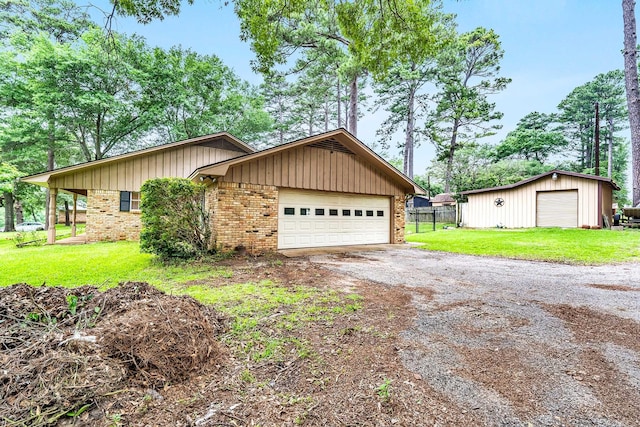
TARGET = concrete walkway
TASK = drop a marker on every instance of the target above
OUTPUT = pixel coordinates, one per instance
(78, 240)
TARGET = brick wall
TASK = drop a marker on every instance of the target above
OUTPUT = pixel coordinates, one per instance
(398, 219)
(244, 215)
(106, 222)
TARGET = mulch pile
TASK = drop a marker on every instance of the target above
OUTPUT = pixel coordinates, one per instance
(63, 351)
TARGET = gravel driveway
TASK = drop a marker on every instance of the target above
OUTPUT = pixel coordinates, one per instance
(517, 342)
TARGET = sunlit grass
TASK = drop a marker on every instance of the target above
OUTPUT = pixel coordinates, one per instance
(546, 244)
(99, 264)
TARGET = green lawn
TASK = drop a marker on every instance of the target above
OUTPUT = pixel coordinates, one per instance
(425, 227)
(546, 244)
(99, 264)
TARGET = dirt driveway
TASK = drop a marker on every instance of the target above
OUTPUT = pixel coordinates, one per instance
(517, 342)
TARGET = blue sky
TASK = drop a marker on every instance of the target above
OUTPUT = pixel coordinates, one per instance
(551, 46)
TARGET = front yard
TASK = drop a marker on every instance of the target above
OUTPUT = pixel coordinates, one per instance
(341, 340)
(270, 342)
(543, 244)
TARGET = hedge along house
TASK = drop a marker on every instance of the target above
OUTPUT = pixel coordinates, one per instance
(553, 199)
(325, 190)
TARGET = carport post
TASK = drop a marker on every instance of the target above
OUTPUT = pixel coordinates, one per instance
(51, 232)
(75, 210)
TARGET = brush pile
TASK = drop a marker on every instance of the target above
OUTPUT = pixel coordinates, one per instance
(63, 351)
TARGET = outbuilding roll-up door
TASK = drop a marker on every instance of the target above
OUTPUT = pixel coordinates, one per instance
(557, 208)
(309, 219)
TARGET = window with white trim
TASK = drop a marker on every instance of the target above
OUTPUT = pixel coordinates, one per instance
(130, 201)
(135, 200)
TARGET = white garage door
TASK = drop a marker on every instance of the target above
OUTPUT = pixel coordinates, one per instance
(557, 209)
(308, 219)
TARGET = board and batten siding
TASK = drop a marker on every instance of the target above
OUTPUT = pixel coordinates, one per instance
(519, 208)
(130, 173)
(311, 168)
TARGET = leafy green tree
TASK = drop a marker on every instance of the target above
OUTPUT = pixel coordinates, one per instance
(62, 20)
(278, 29)
(146, 11)
(201, 95)
(30, 127)
(280, 103)
(577, 115)
(535, 138)
(96, 94)
(476, 167)
(110, 100)
(466, 74)
(609, 88)
(174, 221)
(400, 93)
(361, 36)
(315, 94)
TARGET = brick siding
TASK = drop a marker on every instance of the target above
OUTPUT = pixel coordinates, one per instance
(244, 216)
(398, 219)
(105, 222)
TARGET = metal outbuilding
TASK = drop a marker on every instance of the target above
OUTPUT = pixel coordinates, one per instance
(553, 199)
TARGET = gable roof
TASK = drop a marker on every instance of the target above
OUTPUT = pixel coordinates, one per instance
(221, 139)
(541, 176)
(336, 140)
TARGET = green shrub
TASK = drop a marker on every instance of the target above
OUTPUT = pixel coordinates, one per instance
(175, 223)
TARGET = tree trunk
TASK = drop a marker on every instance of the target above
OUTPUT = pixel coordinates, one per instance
(339, 103)
(452, 152)
(8, 212)
(353, 106)
(280, 127)
(633, 95)
(19, 212)
(326, 112)
(67, 221)
(610, 148)
(409, 141)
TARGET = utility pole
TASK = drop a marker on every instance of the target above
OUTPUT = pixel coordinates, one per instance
(597, 141)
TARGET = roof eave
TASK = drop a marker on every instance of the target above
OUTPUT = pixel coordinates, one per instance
(543, 175)
(221, 168)
(41, 179)
(36, 178)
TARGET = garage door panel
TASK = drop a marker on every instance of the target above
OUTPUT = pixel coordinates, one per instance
(557, 209)
(289, 226)
(321, 228)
